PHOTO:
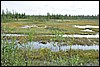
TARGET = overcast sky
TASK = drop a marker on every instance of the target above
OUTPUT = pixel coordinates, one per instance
(55, 7)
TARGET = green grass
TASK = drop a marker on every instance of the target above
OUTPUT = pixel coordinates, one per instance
(11, 56)
(65, 27)
(14, 56)
(38, 57)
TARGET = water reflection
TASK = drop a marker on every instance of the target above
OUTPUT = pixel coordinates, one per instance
(54, 47)
(75, 35)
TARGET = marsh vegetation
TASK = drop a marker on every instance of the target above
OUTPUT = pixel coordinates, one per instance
(46, 36)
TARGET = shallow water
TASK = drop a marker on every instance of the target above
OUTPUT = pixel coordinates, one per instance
(51, 45)
(54, 47)
(87, 26)
(80, 36)
(27, 26)
(13, 35)
(75, 35)
(87, 30)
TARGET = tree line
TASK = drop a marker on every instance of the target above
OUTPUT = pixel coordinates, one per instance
(8, 15)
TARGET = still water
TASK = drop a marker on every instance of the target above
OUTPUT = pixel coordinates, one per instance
(54, 47)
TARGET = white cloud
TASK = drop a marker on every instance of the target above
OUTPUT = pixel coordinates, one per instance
(60, 7)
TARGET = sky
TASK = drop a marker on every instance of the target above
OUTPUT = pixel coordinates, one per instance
(55, 7)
